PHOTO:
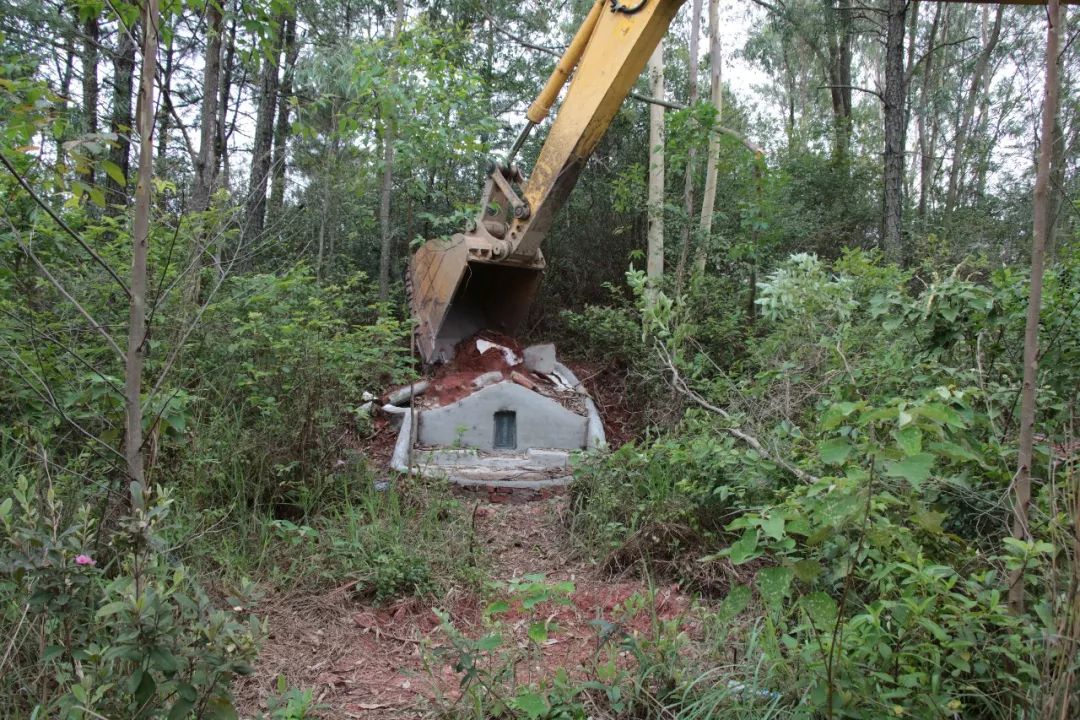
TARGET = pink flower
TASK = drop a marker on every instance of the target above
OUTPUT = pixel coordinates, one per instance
(85, 560)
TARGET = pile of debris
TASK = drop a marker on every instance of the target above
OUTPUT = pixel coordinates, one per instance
(488, 358)
(499, 419)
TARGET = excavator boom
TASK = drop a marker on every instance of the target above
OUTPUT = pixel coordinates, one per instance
(488, 276)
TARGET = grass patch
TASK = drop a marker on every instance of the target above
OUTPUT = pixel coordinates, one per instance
(383, 539)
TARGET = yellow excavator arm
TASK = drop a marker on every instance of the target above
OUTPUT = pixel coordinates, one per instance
(487, 277)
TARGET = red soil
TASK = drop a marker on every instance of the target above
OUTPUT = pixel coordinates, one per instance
(388, 662)
(454, 380)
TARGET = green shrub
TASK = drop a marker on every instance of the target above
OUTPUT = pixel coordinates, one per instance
(879, 572)
(107, 625)
(281, 363)
(691, 478)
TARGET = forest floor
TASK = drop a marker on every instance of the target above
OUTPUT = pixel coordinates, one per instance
(389, 661)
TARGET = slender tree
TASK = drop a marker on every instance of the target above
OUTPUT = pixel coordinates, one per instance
(90, 88)
(206, 163)
(655, 236)
(1041, 229)
(894, 110)
(839, 38)
(967, 114)
(926, 146)
(137, 329)
(281, 126)
(691, 155)
(228, 66)
(262, 146)
(389, 138)
(708, 200)
(120, 121)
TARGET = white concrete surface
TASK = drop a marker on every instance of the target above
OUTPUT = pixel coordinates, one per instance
(470, 422)
(540, 358)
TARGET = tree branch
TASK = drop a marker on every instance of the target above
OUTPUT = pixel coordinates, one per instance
(933, 50)
(193, 153)
(29, 327)
(671, 104)
(520, 40)
(47, 398)
(60, 288)
(681, 386)
(869, 91)
(63, 225)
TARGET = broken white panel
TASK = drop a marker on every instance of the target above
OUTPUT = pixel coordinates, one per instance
(509, 355)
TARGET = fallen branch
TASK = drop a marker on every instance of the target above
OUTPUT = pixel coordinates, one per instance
(679, 384)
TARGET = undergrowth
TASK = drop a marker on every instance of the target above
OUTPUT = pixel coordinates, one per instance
(862, 532)
(380, 539)
(137, 602)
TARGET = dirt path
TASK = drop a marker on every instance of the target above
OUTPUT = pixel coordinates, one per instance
(373, 662)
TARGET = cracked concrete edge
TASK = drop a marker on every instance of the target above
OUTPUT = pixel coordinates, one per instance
(595, 438)
(403, 446)
(441, 473)
(561, 481)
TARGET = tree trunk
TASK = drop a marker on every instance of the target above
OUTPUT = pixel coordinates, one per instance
(691, 153)
(1041, 227)
(66, 77)
(120, 123)
(791, 83)
(708, 200)
(133, 444)
(839, 25)
(982, 124)
(228, 64)
(164, 116)
(281, 129)
(925, 152)
(1061, 152)
(909, 72)
(206, 164)
(255, 210)
(1057, 185)
(968, 113)
(206, 161)
(90, 85)
(892, 233)
(655, 235)
(389, 138)
(323, 220)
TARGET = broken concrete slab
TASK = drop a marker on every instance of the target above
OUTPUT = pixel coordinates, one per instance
(547, 458)
(488, 378)
(555, 482)
(532, 459)
(403, 394)
(394, 413)
(470, 422)
(403, 445)
(540, 358)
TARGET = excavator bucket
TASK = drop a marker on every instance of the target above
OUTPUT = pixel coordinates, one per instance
(454, 294)
(487, 277)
